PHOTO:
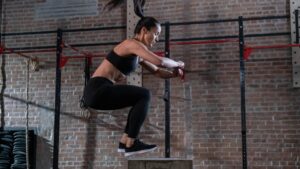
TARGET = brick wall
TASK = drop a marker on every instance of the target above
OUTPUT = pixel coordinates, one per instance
(205, 113)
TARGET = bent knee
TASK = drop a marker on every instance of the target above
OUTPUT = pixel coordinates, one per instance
(146, 94)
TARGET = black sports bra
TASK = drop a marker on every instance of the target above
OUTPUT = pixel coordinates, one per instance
(124, 64)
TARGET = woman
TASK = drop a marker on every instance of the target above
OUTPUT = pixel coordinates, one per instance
(102, 93)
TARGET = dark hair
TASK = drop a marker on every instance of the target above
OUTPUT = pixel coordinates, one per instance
(147, 22)
(138, 6)
(113, 3)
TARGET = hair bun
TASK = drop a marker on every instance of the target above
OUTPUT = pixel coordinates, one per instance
(113, 4)
(138, 7)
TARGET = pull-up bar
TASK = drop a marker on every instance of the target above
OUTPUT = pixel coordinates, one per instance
(64, 59)
(3, 49)
(86, 55)
(204, 42)
(248, 50)
(34, 61)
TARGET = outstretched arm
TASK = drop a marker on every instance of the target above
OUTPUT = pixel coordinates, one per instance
(142, 51)
(161, 72)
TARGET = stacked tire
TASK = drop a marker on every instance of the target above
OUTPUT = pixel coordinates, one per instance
(13, 149)
(6, 148)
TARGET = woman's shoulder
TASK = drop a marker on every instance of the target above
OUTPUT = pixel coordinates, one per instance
(136, 44)
(127, 47)
(131, 41)
(131, 45)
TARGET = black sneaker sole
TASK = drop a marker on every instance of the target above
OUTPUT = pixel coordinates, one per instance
(139, 152)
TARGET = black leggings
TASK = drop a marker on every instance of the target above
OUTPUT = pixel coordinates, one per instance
(100, 93)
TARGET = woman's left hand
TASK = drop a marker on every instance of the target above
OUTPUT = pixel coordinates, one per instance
(179, 72)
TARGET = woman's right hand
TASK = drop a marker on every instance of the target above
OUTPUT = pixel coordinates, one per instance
(179, 72)
(180, 64)
(170, 63)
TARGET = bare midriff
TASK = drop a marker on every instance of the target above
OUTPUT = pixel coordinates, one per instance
(109, 71)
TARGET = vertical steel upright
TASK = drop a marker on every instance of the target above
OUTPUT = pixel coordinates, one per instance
(294, 21)
(167, 94)
(2, 71)
(242, 88)
(135, 78)
(57, 99)
(297, 26)
(87, 70)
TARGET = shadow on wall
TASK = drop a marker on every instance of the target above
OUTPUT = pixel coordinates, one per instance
(43, 153)
(111, 121)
